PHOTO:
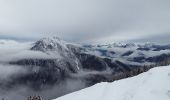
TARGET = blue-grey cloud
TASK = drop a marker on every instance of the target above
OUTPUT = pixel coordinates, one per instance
(84, 20)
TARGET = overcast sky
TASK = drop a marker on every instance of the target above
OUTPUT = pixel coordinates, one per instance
(85, 21)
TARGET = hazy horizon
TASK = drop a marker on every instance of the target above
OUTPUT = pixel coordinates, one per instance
(86, 21)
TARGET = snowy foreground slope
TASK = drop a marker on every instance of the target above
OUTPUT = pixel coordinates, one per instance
(151, 85)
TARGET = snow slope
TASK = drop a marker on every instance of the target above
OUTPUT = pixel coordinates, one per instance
(151, 85)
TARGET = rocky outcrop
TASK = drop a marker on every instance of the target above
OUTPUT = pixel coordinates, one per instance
(80, 63)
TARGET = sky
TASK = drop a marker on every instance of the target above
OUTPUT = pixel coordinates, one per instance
(86, 21)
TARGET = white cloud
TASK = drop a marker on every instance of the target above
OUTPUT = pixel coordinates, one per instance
(81, 20)
(11, 50)
(10, 70)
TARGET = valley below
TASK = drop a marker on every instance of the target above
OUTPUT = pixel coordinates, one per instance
(51, 67)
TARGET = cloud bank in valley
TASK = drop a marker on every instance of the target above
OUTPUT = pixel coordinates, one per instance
(11, 50)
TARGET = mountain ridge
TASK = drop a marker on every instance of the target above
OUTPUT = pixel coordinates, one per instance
(52, 62)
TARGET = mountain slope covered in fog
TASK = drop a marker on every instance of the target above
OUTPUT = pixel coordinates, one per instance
(51, 67)
(151, 85)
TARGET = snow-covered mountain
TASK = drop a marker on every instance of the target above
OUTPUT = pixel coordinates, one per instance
(131, 53)
(151, 85)
(51, 64)
(55, 46)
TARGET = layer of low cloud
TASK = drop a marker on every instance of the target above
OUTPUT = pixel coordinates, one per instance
(11, 50)
(84, 20)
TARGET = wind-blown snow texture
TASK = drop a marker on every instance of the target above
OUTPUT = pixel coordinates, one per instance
(151, 85)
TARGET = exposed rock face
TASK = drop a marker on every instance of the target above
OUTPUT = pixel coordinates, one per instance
(50, 71)
(55, 46)
(127, 53)
(89, 64)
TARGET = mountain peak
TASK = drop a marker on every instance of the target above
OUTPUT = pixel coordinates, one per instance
(49, 43)
(124, 45)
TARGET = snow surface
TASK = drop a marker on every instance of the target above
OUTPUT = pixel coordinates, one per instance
(151, 85)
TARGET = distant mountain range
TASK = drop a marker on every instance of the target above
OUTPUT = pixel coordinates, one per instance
(52, 62)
